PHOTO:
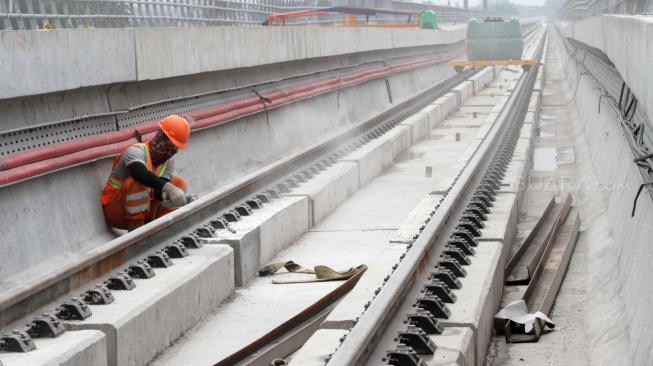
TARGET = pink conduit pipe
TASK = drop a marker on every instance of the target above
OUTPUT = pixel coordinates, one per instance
(40, 161)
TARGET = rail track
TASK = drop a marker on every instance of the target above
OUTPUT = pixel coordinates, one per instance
(189, 226)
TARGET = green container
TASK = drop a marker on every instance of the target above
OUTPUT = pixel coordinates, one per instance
(494, 40)
(428, 20)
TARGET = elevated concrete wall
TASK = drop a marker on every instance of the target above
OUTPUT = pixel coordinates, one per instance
(626, 40)
(57, 60)
(621, 294)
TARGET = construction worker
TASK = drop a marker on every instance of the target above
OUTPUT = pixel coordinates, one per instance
(142, 185)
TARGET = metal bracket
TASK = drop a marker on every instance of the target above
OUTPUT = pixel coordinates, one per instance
(433, 305)
(254, 203)
(417, 340)
(99, 295)
(141, 270)
(403, 356)
(176, 250)
(120, 282)
(447, 277)
(439, 289)
(205, 231)
(424, 320)
(465, 236)
(191, 241)
(448, 262)
(159, 259)
(462, 245)
(457, 254)
(45, 325)
(243, 210)
(73, 309)
(231, 216)
(264, 197)
(17, 341)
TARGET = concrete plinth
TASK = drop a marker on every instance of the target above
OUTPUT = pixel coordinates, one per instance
(259, 237)
(372, 159)
(416, 218)
(80, 348)
(465, 90)
(479, 297)
(419, 127)
(329, 189)
(434, 111)
(145, 321)
(501, 224)
(400, 138)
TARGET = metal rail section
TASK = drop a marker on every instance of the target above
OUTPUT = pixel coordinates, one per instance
(39, 14)
(359, 343)
(22, 300)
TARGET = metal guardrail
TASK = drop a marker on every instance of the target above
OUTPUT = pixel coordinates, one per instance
(39, 14)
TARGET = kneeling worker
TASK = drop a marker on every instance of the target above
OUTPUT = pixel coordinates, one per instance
(142, 185)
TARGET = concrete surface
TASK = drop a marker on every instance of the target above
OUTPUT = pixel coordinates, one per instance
(372, 159)
(328, 190)
(624, 39)
(145, 321)
(80, 348)
(502, 221)
(419, 124)
(128, 55)
(260, 236)
(479, 297)
(596, 310)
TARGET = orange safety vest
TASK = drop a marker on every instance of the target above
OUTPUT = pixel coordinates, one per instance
(114, 183)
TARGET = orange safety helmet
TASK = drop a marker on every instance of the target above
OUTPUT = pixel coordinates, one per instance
(177, 130)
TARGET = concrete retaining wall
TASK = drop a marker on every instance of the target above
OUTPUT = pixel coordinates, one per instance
(57, 60)
(618, 270)
(626, 41)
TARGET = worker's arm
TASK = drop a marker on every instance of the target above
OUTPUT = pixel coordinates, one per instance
(143, 176)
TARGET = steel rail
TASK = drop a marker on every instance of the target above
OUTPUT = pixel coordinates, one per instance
(359, 343)
(40, 291)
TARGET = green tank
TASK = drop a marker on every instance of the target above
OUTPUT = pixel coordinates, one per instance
(494, 39)
(428, 20)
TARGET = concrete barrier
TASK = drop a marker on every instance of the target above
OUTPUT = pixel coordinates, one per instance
(79, 348)
(137, 54)
(260, 236)
(372, 159)
(329, 189)
(144, 321)
(419, 125)
(479, 297)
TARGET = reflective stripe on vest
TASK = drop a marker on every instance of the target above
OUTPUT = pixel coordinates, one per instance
(114, 183)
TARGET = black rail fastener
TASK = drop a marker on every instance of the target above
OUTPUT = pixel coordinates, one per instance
(476, 212)
(469, 226)
(448, 262)
(120, 282)
(276, 191)
(141, 269)
(73, 309)
(17, 341)
(264, 197)
(474, 220)
(417, 340)
(243, 210)
(403, 356)
(466, 236)
(447, 277)
(191, 241)
(433, 305)
(462, 245)
(231, 216)
(205, 231)
(480, 206)
(291, 182)
(457, 254)
(98, 295)
(45, 326)
(254, 203)
(219, 223)
(176, 250)
(425, 321)
(439, 289)
(159, 259)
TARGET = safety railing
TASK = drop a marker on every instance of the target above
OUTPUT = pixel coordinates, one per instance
(43, 14)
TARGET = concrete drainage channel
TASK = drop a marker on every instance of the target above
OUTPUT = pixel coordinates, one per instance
(134, 314)
(436, 308)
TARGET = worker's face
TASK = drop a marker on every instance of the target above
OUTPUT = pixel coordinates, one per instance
(162, 148)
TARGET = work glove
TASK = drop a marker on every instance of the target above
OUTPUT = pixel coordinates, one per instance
(173, 196)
